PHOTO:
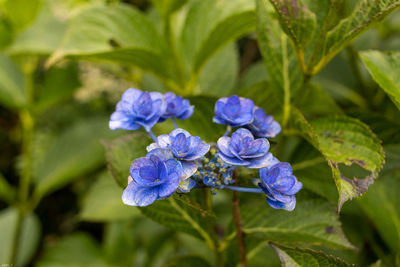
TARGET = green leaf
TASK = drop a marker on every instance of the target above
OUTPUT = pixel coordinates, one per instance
(264, 96)
(29, 239)
(103, 202)
(12, 84)
(6, 34)
(362, 18)
(119, 242)
(381, 206)
(218, 76)
(255, 73)
(75, 152)
(208, 27)
(7, 192)
(313, 222)
(157, 245)
(21, 12)
(294, 257)
(316, 101)
(78, 249)
(296, 20)
(122, 151)
(346, 140)
(42, 37)
(226, 31)
(384, 68)
(59, 84)
(183, 213)
(167, 7)
(117, 33)
(187, 261)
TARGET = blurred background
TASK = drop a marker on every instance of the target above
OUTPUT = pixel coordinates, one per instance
(64, 65)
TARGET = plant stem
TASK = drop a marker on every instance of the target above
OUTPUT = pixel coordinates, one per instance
(286, 82)
(174, 123)
(239, 232)
(228, 130)
(152, 135)
(27, 123)
(240, 189)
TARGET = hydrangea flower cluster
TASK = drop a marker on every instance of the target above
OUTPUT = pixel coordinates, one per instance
(179, 162)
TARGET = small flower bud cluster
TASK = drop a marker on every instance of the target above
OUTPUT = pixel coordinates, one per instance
(213, 171)
(179, 161)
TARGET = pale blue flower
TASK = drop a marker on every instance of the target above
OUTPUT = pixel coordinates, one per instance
(263, 125)
(234, 111)
(280, 186)
(243, 150)
(137, 109)
(153, 177)
(177, 107)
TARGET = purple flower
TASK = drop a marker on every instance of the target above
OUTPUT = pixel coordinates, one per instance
(263, 125)
(185, 148)
(234, 111)
(280, 186)
(241, 149)
(153, 177)
(137, 108)
(177, 107)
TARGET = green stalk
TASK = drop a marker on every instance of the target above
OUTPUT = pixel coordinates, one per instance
(286, 81)
(27, 125)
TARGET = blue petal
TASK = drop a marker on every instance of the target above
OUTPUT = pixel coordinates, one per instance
(247, 105)
(136, 195)
(296, 188)
(257, 148)
(174, 165)
(242, 133)
(223, 145)
(233, 160)
(283, 184)
(201, 150)
(188, 169)
(261, 162)
(135, 169)
(177, 131)
(280, 205)
(121, 120)
(164, 141)
(219, 120)
(161, 153)
(152, 146)
(187, 113)
(169, 187)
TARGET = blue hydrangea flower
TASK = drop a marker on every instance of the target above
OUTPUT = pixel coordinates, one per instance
(234, 111)
(263, 125)
(280, 186)
(153, 177)
(241, 149)
(137, 108)
(177, 107)
(187, 149)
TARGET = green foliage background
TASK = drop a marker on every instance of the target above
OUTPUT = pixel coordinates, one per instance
(327, 70)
